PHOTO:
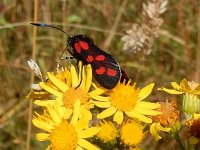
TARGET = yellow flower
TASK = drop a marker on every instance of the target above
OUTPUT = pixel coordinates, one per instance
(194, 130)
(107, 131)
(184, 87)
(126, 98)
(64, 134)
(69, 86)
(167, 121)
(131, 133)
(191, 95)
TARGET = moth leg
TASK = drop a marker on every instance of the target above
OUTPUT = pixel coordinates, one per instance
(68, 57)
(58, 64)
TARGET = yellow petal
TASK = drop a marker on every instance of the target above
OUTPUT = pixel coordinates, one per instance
(197, 90)
(58, 83)
(144, 92)
(148, 112)
(59, 100)
(67, 75)
(88, 77)
(154, 132)
(80, 69)
(84, 117)
(118, 117)
(176, 86)
(82, 79)
(196, 116)
(42, 136)
(106, 113)
(82, 124)
(159, 127)
(54, 115)
(97, 91)
(193, 140)
(44, 102)
(85, 113)
(139, 116)
(101, 98)
(37, 95)
(75, 112)
(48, 147)
(79, 148)
(74, 77)
(44, 125)
(67, 114)
(59, 109)
(102, 104)
(170, 91)
(87, 145)
(147, 105)
(89, 132)
(50, 90)
(184, 85)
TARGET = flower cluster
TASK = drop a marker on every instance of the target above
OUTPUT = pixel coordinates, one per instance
(190, 92)
(79, 114)
(141, 37)
(191, 95)
(194, 130)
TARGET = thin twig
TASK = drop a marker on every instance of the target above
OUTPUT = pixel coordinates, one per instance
(20, 67)
(28, 140)
(19, 24)
(85, 27)
(171, 36)
(177, 137)
(2, 54)
(197, 73)
(64, 7)
(114, 27)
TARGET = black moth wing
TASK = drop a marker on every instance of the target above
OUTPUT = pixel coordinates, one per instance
(74, 40)
(104, 68)
(106, 80)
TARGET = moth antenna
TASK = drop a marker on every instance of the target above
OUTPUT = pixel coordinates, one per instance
(47, 25)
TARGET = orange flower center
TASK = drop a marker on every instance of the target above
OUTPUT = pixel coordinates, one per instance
(107, 132)
(72, 94)
(64, 137)
(131, 133)
(170, 114)
(124, 96)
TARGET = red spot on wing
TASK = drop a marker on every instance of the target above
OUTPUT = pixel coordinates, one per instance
(90, 58)
(77, 47)
(84, 45)
(100, 70)
(100, 57)
(111, 72)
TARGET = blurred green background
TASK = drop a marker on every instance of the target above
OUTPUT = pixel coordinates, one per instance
(175, 54)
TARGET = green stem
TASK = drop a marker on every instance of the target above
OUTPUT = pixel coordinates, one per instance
(177, 137)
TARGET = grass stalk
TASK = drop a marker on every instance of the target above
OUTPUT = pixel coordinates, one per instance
(28, 140)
